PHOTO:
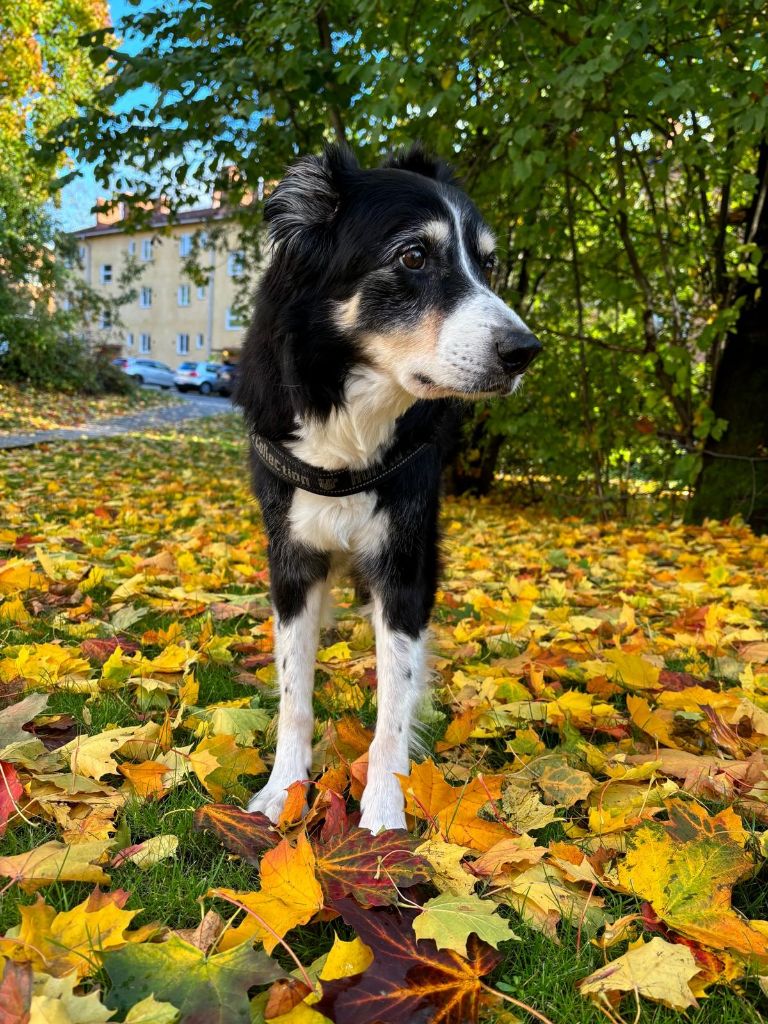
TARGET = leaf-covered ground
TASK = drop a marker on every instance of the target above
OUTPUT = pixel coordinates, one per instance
(25, 408)
(588, 830)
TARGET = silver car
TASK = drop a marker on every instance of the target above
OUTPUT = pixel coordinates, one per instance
(203, 377)
(146, 371)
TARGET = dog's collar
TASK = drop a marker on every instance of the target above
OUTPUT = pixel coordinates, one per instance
(333, 483)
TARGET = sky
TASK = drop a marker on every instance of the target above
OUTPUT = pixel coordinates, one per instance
(79, 197)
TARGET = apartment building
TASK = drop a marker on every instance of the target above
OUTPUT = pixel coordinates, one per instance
(172, 318)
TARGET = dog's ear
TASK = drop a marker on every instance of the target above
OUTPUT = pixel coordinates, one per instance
(307, 198)
(420, 161)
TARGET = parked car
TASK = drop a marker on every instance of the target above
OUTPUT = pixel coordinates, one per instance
(228, 378)
(146, 371)
(202, 377)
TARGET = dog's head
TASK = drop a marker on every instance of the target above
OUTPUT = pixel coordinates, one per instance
(402, 258)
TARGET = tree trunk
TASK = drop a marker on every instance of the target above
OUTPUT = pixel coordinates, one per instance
(734, 474)
(473, 468)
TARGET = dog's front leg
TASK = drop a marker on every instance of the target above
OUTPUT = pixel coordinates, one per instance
(297, 628)
(400, 669)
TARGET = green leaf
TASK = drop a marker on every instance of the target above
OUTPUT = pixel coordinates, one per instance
(449, 920)
(211, 989)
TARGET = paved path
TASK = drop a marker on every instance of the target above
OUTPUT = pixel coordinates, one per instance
(192, 407)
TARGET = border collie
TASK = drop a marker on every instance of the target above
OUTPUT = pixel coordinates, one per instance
(373, 316)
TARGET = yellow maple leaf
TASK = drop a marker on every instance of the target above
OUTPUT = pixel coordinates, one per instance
(13, 611)
(686, 868)
(57, 862)
(219, 762)
(336, 652)
(290, 895)
(657, 970)
(631, 670)
(72, 941)
(452, 811)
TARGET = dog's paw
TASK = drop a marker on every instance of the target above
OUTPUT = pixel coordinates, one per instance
(270, 801)
(382, 805)
(377, 819)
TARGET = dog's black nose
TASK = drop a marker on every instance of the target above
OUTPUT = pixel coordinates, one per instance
(517, 349)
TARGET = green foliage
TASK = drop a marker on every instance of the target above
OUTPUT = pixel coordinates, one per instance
(613, 149)
(44, 77)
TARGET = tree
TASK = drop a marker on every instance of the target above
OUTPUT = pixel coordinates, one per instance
(44, 76)
(614, 149)
(734, 472)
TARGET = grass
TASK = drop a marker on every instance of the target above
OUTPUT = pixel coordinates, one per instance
(116, 504)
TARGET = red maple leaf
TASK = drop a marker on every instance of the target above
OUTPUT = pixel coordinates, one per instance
(15, 993)
(370, 868)
(409, 981)
(10, 791)
(247, 835)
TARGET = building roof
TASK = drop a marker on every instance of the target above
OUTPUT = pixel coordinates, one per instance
(157, 219)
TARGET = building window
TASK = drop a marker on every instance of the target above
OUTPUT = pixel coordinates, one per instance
(182, 344)
(146, 249)
(235, 264)
(131, 248)
(145, 298)
(145, 343)
(199, 340)
(81, 253)
(129, 340)
(183, 295)
(185, 245)
(232, 321)
(106, 273)
(105, 318)
(201, 291)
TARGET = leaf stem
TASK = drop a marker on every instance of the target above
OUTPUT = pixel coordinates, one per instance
(516, 1002)
(271, 930)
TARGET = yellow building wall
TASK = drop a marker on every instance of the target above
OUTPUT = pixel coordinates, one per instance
(206, 317)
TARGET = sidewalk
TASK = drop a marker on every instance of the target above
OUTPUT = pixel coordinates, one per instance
(192, 407)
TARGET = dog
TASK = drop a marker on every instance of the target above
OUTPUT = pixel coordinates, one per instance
(373, 317)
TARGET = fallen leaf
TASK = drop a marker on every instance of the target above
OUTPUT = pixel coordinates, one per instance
(446, 862)
(150, 1011)
(56, 862)
(449, 920)
(371, 868)
(247, 835)
(145, 855)
(290, 895)
(656, 970)
(72, 941)
(686, 868)
(211, 989)
(407, 980)
(15, 993)
(453, 811)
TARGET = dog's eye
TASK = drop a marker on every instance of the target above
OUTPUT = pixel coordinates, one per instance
(414, 258)
(488, 267)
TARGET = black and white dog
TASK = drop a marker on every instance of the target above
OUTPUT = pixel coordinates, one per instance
(373, 316)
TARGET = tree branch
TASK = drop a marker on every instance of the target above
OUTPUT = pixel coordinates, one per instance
(334, 112)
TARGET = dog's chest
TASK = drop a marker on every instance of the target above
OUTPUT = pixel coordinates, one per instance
(351, 524)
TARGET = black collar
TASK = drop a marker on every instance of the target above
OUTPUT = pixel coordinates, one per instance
(334, 483)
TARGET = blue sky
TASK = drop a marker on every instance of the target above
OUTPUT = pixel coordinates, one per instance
(79, 197)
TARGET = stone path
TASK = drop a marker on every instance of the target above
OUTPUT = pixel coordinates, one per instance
(192, 407)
